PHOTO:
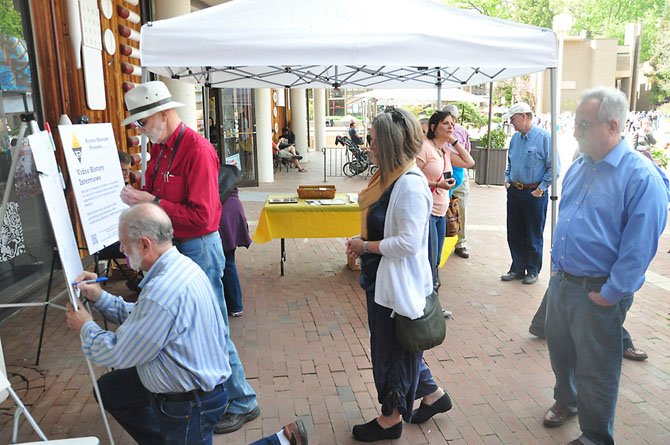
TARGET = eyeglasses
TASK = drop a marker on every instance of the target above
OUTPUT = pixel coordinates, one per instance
(140, 123)
(586, 125)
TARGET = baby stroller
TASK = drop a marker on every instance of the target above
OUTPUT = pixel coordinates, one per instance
(359, 161)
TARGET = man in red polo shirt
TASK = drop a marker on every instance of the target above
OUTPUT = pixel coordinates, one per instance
(182, 178)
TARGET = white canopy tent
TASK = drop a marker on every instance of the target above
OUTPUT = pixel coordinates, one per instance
(345, 43)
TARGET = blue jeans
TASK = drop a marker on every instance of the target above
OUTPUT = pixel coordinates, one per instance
(584, 342)
(232, 290)
(207, 252)
(437, 230)
(526, 215)
(152, 418)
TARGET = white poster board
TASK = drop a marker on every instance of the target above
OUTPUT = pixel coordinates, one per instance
(95, 174)
(52, 188)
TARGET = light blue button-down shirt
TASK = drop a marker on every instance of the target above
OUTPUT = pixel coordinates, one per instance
(611, 215)
(174, 334)
(529, 158)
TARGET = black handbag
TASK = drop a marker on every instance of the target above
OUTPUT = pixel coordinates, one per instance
(229, 175)
(423, 333)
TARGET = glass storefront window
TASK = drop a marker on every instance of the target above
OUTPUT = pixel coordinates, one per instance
(25, 237)
(238, 131)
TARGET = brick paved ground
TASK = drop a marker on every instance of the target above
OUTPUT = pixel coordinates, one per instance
(304, 343)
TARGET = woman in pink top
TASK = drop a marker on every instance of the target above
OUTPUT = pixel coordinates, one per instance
(435, 161)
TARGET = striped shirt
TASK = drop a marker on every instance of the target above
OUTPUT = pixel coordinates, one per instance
(174, 334)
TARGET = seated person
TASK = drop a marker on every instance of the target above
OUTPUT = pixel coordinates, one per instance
(355, 138)
(285, 151)
(287, 138)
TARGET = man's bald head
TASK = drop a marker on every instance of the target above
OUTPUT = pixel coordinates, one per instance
(147, 220)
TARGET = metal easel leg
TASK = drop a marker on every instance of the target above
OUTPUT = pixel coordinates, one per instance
(54, 258)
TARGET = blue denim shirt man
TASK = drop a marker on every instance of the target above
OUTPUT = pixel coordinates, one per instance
(527, 179)
(612, 213)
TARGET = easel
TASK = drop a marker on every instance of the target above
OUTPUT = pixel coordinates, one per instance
(26, 120)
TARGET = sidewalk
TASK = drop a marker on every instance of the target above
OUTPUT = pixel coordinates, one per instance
(303, 340)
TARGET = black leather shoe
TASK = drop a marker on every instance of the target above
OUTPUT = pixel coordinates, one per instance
(510, 276)
(635, 354)
(424, 412)
(576, 442)
(462, 252)
(539, 333)
(233, 422)
(557, 415)
(372, 431)
(530, 278)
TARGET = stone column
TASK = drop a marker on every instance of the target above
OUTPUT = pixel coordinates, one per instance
(263, 108)
(299, 119)
(319, 118)
(183, 92)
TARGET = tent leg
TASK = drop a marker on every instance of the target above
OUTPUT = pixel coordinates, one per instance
(554, 148)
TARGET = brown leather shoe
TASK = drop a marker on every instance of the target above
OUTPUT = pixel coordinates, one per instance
(296, 433)
(635, 354)
(557, 415)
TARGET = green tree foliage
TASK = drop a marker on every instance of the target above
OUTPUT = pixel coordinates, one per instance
(10, 20)
(469, 115)
(660, 62)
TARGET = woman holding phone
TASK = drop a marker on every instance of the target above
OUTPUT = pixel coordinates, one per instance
(435, 161)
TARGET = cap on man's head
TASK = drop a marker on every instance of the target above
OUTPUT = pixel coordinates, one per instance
(518, 108)
(146, 99)
(452, 109)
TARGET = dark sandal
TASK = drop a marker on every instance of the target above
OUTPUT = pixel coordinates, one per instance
(424, 412)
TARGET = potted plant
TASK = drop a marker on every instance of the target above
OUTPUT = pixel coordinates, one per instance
(490, 163)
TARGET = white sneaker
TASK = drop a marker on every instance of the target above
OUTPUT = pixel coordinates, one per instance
(446, 313)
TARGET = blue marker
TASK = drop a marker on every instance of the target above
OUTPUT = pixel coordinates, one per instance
(97, 280)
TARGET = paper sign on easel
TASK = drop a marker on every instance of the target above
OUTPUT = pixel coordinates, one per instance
(95, 174)
(54, 198)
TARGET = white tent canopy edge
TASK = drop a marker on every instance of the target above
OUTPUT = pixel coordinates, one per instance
(348, 43)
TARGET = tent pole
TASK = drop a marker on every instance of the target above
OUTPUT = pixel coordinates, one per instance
(205, 110)
(554, 150)
(488, 139)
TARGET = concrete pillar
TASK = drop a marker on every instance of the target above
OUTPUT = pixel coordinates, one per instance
(299, 119)
(183, 92)
(263, 108)
(319, 118)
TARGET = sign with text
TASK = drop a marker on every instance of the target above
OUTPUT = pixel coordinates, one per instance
(95, 174)
(54, 198)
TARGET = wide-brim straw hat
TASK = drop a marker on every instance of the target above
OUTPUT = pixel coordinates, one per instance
(147, 99)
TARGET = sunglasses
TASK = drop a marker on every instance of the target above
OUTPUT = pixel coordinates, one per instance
(396, 115)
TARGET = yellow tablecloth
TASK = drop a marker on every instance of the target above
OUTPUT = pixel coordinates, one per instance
(447, 248)
(307, 221)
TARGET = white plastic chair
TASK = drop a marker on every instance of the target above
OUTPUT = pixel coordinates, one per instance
(5, 385)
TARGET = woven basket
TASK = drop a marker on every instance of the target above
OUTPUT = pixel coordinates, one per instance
(316, 191)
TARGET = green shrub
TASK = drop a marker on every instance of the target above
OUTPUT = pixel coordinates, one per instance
(660, 157)
(497, 136)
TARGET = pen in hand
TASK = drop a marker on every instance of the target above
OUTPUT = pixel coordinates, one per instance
(97, 280)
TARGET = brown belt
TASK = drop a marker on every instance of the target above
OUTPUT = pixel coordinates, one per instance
(520, 186)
